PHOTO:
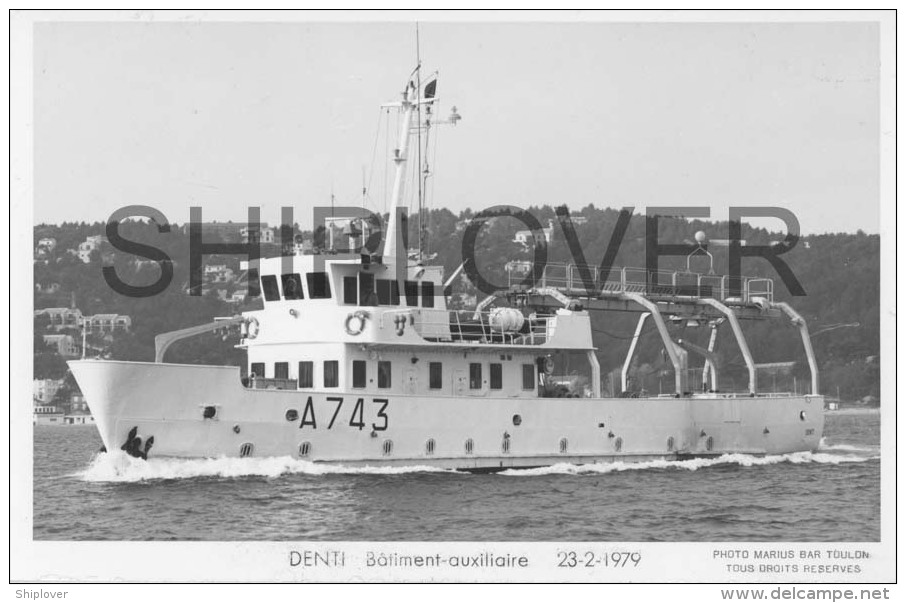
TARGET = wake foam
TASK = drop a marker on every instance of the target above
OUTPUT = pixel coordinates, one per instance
(825, 447)
(744, 460)
(120, 467)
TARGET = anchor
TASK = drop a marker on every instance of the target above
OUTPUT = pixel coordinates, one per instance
(133, 445)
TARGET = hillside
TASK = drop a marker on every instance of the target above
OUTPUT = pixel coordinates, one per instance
(840, 274)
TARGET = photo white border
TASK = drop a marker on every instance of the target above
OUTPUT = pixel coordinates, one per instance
(75, 561)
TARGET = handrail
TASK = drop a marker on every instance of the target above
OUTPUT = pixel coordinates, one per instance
(163, 341)
(671, 283)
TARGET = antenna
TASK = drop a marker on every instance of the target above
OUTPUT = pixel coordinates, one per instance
(364, 188)
(701, 238)
(418, 77)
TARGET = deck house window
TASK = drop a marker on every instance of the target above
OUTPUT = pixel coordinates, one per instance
(410, 289)
(528, 376)
(394, 293)
(359, 377)
(496, 375)
(292, 286)
(474, 375)
(331, 373)
(257, 370)
(435, 375)
(383, 291)
(306, 373)
(281, 370)
(269, 285)
(253, 288)
(367, 296)
(383, 373)
(388, 292)
(318, 285)
(427, 295)
(350, 294)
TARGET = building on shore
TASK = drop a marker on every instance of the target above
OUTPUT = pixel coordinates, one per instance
(46, 414)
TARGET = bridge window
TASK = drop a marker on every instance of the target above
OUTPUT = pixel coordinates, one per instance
(383, 291)
(528, 376)
(292, 286)
(359, 377)
(394, 293)
(435, 375)
(306, 373)
(257, 370)
(318, 285)
(350, 294)
(428, 294)
(410, 289)
(281, 370)
(269, 286)
(253, 288)
(331, 373)
(474, 375)
(496, 375)
(367, 296)
(383, 373)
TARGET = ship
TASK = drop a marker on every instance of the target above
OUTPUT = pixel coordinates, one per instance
(358, 359)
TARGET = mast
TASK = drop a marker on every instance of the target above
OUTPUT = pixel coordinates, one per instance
(418, 168)
(407, 104)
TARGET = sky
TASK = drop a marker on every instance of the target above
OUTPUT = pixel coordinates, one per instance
(227, 115)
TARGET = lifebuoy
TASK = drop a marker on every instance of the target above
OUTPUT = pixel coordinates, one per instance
(253, 327)
(548, 365)
(355, 323)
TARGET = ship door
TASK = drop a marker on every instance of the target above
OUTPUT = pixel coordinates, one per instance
(731, 411)
(411, 381)
(460, 382)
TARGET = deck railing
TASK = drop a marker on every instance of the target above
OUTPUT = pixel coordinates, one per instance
(272, 383)
(473, 327)
(571, 279)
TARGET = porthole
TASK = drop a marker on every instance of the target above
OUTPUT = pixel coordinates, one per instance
(505, 447)
(246, 449)
(709, 443)
(618, 444)
(564, 445)
(517, 420)
(292, 415)
(388, 447)
(305, 449)
(670, 444)
(209, 412)
(470, 446)
(429, 447)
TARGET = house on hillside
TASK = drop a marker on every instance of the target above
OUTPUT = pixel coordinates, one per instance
(45, 247)
(89, 245)
(108, 323)
(65, 345)
(262, 235)
(526, 239)
(44, 390)
(62, 318)
(47, 288)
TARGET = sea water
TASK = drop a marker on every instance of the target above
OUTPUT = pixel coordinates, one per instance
(830, 495)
